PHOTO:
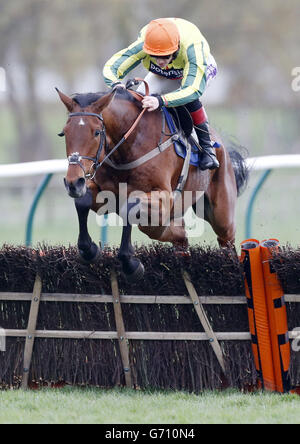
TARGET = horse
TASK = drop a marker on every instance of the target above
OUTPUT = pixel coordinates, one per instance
(101, 159)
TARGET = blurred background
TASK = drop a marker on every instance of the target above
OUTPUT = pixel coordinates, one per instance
(46, 43)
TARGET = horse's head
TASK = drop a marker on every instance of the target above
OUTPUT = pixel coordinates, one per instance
(85, 137)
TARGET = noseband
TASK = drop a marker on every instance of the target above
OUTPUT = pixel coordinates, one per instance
(75, 158)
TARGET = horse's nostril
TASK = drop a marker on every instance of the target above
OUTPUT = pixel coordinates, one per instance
(76, 184)
(76, 188)
(81, 182)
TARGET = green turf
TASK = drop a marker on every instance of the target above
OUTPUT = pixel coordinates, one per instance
(123, 406)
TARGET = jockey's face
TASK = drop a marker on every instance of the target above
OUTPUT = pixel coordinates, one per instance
(164, 61)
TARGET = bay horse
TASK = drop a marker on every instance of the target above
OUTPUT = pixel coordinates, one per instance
(95, 132)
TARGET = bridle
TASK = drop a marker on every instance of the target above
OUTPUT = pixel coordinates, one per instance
(75, 158)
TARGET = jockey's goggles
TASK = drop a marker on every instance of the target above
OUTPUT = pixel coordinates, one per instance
(165, 57)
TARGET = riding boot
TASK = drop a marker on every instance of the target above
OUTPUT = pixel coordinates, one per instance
(208, 160)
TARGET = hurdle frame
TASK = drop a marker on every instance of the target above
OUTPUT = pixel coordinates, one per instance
(37, 297)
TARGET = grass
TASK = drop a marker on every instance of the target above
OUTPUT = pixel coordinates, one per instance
(122, 406)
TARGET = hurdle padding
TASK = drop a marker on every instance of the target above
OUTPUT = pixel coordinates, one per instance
(267, 314)
(89, 326)
(258, 312)
(277, 315)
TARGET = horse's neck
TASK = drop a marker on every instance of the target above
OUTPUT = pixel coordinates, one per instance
(119, 118)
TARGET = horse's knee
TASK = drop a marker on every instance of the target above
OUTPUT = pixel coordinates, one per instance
(89, 252)
(85, 202)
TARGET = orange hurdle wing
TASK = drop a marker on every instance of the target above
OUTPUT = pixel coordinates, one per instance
(278, 324)
(258, 312)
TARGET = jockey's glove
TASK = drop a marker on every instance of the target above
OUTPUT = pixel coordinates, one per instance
(159, 98)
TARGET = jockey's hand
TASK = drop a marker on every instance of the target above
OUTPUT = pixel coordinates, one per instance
(150, 102)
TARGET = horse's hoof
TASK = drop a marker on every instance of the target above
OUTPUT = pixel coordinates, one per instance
(137, 275)
(91, 256)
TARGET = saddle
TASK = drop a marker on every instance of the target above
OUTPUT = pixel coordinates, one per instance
(180, 121)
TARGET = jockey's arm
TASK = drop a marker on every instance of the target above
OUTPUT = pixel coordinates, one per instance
(121, 63)
(194, 79)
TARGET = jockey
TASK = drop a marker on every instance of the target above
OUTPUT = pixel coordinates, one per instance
(181, 66)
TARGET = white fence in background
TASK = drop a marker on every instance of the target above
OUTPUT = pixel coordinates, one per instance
(2, 80)
(61, 165)
(49, 167)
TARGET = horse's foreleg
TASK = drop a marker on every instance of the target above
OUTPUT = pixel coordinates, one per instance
(88, 250)
(131, 266)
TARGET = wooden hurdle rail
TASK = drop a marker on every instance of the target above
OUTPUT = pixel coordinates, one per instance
(123, 336)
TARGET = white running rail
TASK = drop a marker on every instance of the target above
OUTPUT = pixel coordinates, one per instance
(61, 165)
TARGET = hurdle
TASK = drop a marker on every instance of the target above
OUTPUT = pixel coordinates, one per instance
(193, 334)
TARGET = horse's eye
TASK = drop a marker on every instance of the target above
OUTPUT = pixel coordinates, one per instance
(61, 134)
(97, 133)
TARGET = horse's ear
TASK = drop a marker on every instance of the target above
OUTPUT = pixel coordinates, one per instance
(103, 102)
(67, 101)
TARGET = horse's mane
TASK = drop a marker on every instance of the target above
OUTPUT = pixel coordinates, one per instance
(86, 99)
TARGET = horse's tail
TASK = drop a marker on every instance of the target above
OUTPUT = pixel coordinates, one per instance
(240, 168)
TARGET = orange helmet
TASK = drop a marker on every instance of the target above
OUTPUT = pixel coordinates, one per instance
(162, 37)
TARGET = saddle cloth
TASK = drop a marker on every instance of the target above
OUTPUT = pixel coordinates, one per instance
(180, 144)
